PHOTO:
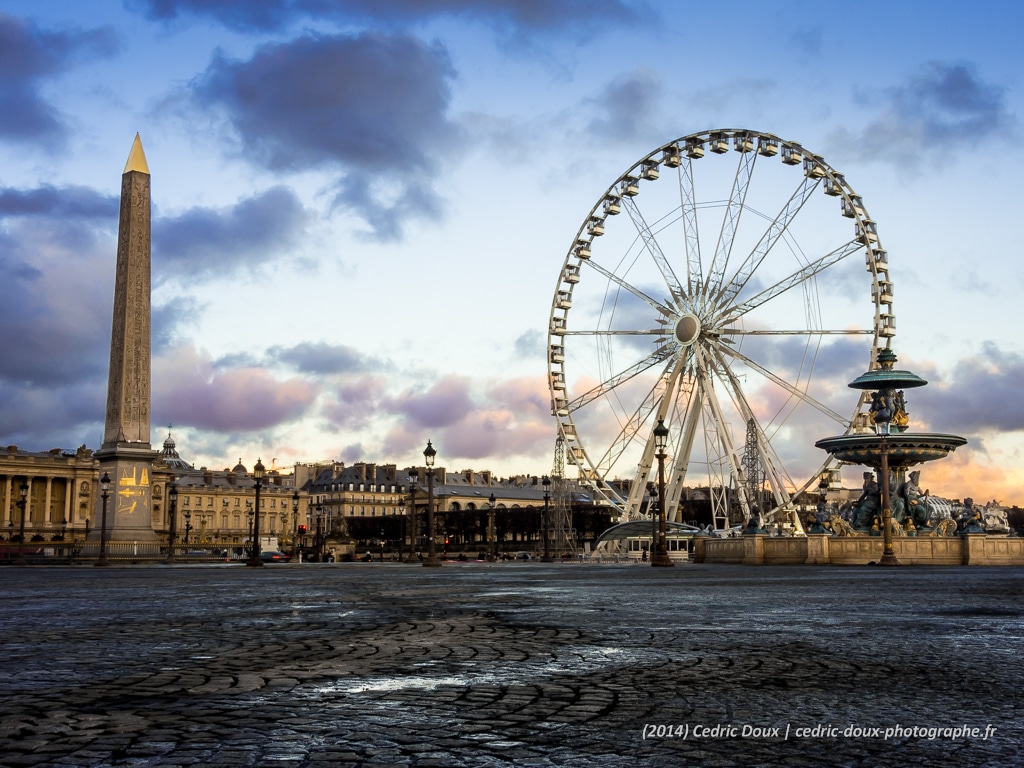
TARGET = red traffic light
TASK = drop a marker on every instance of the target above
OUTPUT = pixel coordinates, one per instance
(302, 529)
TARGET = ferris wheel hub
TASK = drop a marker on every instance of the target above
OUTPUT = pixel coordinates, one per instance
(688, 329)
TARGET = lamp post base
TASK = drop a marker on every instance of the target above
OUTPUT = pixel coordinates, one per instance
(432, 561)
(662, 560)
(254, 562)
(889, 558)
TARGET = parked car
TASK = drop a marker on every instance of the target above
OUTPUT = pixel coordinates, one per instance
(273, 556)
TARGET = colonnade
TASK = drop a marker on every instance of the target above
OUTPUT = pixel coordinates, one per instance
(54, 503)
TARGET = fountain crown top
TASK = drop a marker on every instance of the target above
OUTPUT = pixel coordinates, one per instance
(885, 377)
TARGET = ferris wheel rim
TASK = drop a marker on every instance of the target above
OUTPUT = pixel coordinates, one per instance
(680, 309)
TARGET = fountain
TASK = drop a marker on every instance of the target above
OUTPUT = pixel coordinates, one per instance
(889, 447)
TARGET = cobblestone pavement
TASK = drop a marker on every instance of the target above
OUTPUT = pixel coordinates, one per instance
(490, 665)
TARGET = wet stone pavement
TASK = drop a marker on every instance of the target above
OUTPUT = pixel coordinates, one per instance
(525, 664)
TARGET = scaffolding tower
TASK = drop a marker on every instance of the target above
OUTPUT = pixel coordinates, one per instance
(752, 467)
(563, 537)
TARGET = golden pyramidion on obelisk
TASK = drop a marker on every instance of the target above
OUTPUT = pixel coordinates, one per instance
(137, 158)
(126, 456)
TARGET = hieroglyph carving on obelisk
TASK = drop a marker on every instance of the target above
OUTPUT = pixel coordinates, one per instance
(128, 388)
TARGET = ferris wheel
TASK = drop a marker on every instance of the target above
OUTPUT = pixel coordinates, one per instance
(722, 285)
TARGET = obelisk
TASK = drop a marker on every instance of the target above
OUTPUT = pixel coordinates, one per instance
(126, 455)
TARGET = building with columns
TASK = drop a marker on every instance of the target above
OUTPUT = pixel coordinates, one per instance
(61, 493)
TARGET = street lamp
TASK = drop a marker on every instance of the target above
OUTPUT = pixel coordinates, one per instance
(492, 539)
(22, 504)
(295, 522)
(319, 537)
(105, 486)
(248, 518)
(172, 496)
(547, 508)
(414, 534)
(432, 560)
(382, 545)
(888, 553)
(661, 558)
(188, 525)
(254, 558)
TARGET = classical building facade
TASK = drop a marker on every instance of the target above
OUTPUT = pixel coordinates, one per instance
(64, 497)
(215, 508)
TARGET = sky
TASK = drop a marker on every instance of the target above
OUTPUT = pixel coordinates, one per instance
(361, 209)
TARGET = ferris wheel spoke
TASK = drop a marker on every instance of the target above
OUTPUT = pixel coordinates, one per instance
(648, 332)
(778, 380)
(691, 232)
(803, 274)
(768, 240)
(626, 437)
(770, 460)
(657, 405)
(803, 332)
(721, 435)
(653, 248)
(654, 303)
(607, 386)
(730, 222)
(684, 445)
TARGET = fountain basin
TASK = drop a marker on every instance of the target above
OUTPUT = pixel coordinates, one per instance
(904, 449)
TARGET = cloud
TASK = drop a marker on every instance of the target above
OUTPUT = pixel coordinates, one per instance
(66, 415)
(982, 394)
(58, 251)
(56, 291)
(943, 106)
(208, 241)
(626, 107)
(530, 344)
(191, 389)
(508, 418)
(248, 15)
(29, 57)
(445, 403)
(356, 193)
(528, 15)
(323, 358)
(371, 108)
(354, 403)
(60, 202)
